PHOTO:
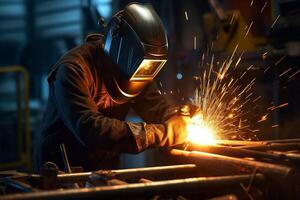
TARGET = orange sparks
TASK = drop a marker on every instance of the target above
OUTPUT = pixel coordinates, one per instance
(264, 55)
(264, 6)
(281, 59)
(279, 106)
(232, 18)
(256, 99)
(285, 72)
(221, 76)
(266, 69)
(273, 24)
(186, 16)
(263, 118)
(294, 74)
(248, 29)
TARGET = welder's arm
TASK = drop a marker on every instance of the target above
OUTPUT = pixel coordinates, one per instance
(154, 108)
(80, 114)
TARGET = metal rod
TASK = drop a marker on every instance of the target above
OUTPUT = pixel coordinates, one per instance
(125, 173)
(278, 173)
(283, 141)
(286, 155)
(239, 152)
(66, 162)
(239, 142)
(65, 158)
(172, 187)
(274, 147)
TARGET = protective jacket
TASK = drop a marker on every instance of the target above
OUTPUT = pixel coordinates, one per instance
(81, 114)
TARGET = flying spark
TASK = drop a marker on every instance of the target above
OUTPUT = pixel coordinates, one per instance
(285, 72)
(273, 24)
(186, 16)
(247, 32)
(294, 74)
(280, 60)
(267, 69)
(264, 6)
(223, 101)
(264, 55)
(279, 106)
(263, 118)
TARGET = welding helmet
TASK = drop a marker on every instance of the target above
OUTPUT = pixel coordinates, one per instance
(136, 44)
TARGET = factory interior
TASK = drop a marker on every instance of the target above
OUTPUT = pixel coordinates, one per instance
(233, 65)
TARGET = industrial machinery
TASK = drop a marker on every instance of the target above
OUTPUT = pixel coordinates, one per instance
(229, 170)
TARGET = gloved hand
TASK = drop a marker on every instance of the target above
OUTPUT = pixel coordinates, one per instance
(176, 127)
(170, 133)
(176, 131)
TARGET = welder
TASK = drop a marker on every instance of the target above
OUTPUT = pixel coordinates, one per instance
(93, 86)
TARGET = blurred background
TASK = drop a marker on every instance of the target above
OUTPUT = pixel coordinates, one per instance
(34, 34)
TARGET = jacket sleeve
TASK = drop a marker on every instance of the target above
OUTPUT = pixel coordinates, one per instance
(80, 114)
(152, 107)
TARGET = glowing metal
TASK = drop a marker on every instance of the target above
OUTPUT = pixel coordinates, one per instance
(200, 132)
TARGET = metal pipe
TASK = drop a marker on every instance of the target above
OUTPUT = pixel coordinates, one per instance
(293, 140)
(239, 152)
(124, 173)
(65, 158)
(255, 143)
(280, 174)
(239, 142)
(286, 155)
(66, 162)
(171, 187)
(274, 147)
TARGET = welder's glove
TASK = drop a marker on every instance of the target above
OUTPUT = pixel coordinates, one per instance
(176, 126)
(172, 132)
(176, 131)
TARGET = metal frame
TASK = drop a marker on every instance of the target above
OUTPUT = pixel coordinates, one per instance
(24, 150)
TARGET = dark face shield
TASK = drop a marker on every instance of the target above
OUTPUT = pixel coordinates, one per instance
(147, 70)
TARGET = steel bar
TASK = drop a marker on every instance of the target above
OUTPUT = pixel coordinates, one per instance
(274, 147)
(293, 140)
(65, 158)
(240, 153)
(125, 173)
(287, 155)
(66, 162)
(239, 142)
(278, 173)
(171, 187)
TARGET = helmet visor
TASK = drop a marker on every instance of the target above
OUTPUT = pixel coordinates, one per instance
(147, 70)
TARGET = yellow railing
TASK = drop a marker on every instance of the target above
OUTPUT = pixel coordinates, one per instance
(24, 137)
